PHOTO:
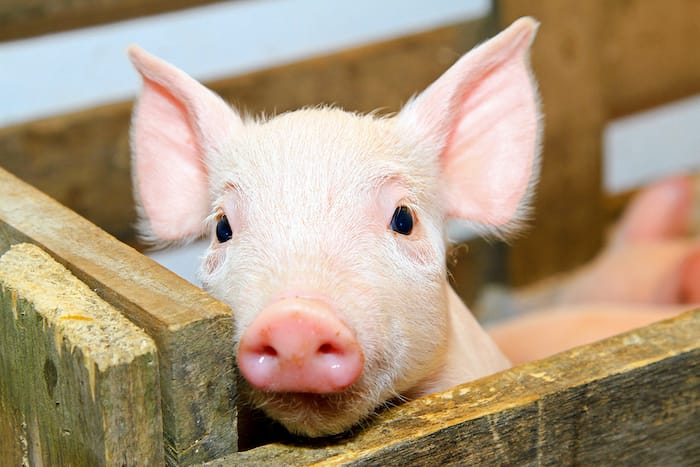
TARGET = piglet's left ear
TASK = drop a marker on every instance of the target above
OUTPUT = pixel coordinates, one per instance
(481, 116)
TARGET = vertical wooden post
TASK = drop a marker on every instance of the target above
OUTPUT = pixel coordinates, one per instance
(569, 221)
(79, 383)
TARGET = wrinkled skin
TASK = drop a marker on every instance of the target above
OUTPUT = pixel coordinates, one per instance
(649, 271)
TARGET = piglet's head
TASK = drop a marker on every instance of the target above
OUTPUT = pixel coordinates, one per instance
(327, 227)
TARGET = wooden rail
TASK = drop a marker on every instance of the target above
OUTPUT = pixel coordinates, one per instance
(632, 399)
(193, 332)
(25, 18)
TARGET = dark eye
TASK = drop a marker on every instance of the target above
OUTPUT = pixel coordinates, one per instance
(223, 230)
(402, 220)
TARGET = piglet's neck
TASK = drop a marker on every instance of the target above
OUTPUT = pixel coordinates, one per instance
(470, 352)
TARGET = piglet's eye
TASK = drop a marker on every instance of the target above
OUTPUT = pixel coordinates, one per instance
(402, 221)
(223, 230)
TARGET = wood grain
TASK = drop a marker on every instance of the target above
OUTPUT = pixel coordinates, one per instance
(569, 219)
(193, 331)
(649, 53)
(84, 378)
(594, 60)
(633, 399)
(25, 18)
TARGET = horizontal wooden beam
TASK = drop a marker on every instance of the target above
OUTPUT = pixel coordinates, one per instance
(631, 399)
(193, 331)
(648, 53)
(25, 18)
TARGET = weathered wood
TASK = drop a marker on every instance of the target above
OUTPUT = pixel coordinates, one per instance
(633, 399)
(594, 60)
(24, 18)
(649, 53)
(569, 219)
(193, 331)
(84, 378)
(82, 159)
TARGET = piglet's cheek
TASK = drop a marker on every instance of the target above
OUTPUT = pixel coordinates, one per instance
(213, 261)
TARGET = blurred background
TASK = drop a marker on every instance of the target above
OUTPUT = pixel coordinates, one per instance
(620, 85)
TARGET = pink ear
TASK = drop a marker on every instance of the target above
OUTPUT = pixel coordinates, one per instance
(177, 125)
(482, 114)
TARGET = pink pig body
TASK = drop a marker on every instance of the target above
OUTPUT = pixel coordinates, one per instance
(649, 271)
(339, 305)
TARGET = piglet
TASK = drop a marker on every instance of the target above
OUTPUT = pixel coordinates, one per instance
(328, 227)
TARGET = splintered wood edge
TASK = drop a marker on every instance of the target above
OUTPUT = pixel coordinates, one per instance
(494, 395)
(193, 330)
(76, 313)
(146, 292)
(105, 395)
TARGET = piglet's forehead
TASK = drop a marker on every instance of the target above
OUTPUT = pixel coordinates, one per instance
(319, 151)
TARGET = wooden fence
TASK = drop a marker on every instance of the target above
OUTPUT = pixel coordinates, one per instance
(67, 353)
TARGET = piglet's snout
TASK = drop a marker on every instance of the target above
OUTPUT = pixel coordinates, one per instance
(299, 345)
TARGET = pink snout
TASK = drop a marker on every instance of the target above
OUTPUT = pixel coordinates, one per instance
(299, 345)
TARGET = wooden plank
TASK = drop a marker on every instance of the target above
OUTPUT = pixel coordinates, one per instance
(649, 54)
(193, 331)
(589, 58)
(568, 218)
(82, 159)
(24, 18)
(84, 378)
(629, 400)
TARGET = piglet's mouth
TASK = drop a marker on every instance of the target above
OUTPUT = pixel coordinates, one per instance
(312, 415)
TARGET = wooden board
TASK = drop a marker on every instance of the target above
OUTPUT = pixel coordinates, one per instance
(569, 219)
(25, 18)
(82, 159)
(80, 380)
(193, 331)
(649, 53)
(633, 399)
(594, 60)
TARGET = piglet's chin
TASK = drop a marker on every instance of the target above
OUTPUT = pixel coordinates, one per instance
(313, 415)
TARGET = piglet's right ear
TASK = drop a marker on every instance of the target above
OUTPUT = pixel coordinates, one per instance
(481, 119)
(177, 126)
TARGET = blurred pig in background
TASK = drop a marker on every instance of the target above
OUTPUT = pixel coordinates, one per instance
(649, 270)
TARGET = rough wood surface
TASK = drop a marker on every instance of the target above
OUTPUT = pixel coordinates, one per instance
(568, 219)
(649, 53)
(193, 331)
(81, 380)
(633, 399)
(82, 159)
(24, 18)
(594, 60)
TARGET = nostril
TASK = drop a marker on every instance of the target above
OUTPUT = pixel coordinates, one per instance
(327, 348)
(268, 351)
